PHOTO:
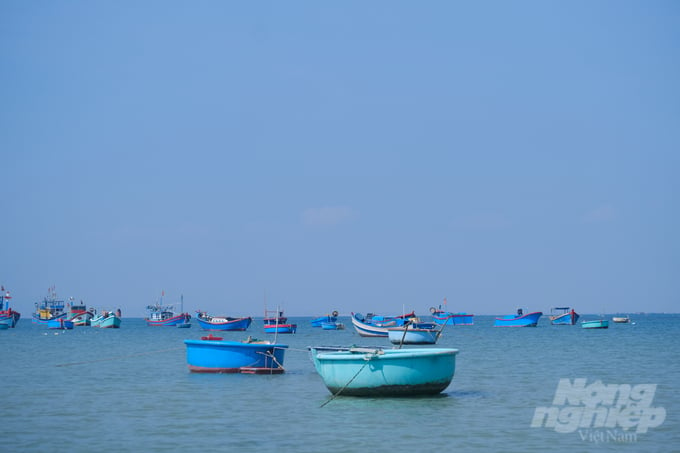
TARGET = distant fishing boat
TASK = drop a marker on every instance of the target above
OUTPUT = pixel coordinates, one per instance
(107, 320)
(443, 316)
(49, 309)
(8, 316)
(78, 313)
(213, 355)
(164, 315)
(333, 325)
(621, 319)
(333, 317)
(275, 322)
(280, 328)
(595, 324)
(563, 316)
(377, 372)
(373, 325)
(519, 320)
(208, 322)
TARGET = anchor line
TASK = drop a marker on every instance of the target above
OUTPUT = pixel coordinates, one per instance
(368, 359)
(271, 355)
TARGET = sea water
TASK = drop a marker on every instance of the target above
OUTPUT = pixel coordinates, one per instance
(129, 389)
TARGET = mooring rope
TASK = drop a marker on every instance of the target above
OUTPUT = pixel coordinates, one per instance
(348, 383)
(117, 358)
(271, 354)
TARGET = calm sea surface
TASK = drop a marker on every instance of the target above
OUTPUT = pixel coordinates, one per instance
(129, 389)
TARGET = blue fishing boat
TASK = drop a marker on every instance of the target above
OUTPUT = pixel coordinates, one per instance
(49, 309)
(4, 324)
(78, 313)
(563, 316)
(208, 322)
(333, 317)
(385, 372)
(443, 316)
(107, 320)
(164, 315)
(595, 324)
(275, 322)
(213, 355)
(8, 316)
(519, 320)
(373, 325)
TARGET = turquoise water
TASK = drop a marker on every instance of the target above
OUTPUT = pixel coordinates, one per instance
(130, 390)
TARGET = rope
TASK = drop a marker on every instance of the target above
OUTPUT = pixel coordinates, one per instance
(367, 358)
(271, 355)
(116, 358)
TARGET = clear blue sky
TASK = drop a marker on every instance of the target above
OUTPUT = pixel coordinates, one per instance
(350, 156)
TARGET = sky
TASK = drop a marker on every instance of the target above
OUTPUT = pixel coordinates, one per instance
(354, 156)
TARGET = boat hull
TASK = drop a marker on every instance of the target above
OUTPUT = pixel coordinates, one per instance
(109, 322)
(318, 322)
(10, 317)
(595, 324)
(172, 321)
(44, 321)
(280, 328)
(621, 320)
(566, 319)
(401, 335)
(225, 324)
(390, 372)
(215, 356)
(528, 320)
(60, 323)
(82, 319)
(453, 319)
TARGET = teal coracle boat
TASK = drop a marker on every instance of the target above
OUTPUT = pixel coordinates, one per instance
(595, 324)
(385, 372)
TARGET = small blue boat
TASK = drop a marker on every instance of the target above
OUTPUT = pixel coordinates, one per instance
(333, 325)
(318, 322)
(373, 325)
(519, 320)
(453, 319)
(385, 372)
(442, 316)
(563, 316)
(220, 323)
(280, 328)
(413, 334)
(595, 324)
(213, 355)
(60, 323)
